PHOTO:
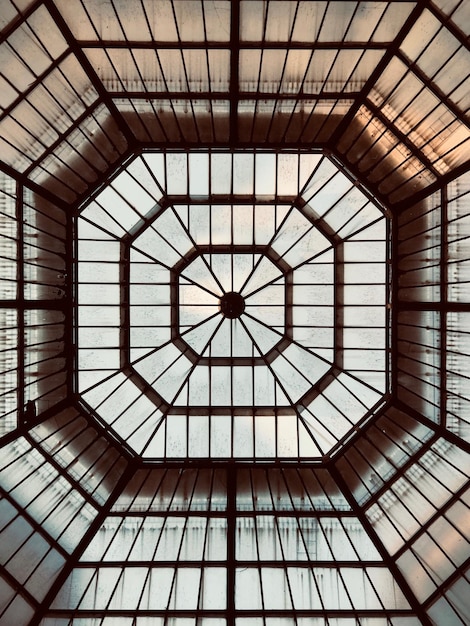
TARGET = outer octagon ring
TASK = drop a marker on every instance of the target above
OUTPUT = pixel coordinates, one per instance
(283, 343)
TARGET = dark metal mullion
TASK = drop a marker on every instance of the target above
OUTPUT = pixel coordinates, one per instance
(287, 51)
(194, 365)
(175, 573)
(242, 95)
(433, 88)
(181, 51)
(234, 85)
(80, 548)
(219, 614)
(284, 562)
(448, 22)
(206, 50)
(202, 256)
(131, 53)
(311, 114)
(222, 45)
(170, 341)
(390, 53)
(269, 243)
(402, 137)
(37, 527)
(20, 306)
(221, 563)
(314, 513)
(330, 70)
(63, 137)
(167, 267)
(439, 513)
(388, 561)
(131, 95)
(460, 572)
(452, 307)
(84, 62)
(20, 590)
(36, 83)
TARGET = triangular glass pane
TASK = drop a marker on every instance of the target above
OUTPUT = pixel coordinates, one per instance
(221, 266)
(242, 267)
(173, 231)
(199, 272)
(199, 337)
(145, 432)
(242, 342)
(262, 336)
(308, 247)
(264, 273)
(290, 232)
(221, 343)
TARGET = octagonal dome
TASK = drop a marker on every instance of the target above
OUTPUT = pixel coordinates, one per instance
(246, 305)
(235, 517)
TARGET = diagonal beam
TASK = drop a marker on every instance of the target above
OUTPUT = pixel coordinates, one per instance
(387, 559)
(81, 547)
(234, 68)
(92, 75)
(380, 68)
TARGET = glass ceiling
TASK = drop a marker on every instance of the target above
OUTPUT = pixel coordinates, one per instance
(234, 313)
(251, 307)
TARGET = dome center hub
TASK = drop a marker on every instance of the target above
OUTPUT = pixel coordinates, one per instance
(232, 305)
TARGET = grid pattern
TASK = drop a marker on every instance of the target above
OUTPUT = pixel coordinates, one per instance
(363, 522)
(306, 358)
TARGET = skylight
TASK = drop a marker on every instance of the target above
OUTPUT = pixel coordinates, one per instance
(241, 301)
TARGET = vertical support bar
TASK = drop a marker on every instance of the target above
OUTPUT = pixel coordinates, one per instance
(444, 297)
(231, 536)
(234, 62)
(395, 308)
(21, 352)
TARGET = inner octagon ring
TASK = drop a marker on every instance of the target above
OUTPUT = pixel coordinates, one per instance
(178, 337)
(291, 302)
